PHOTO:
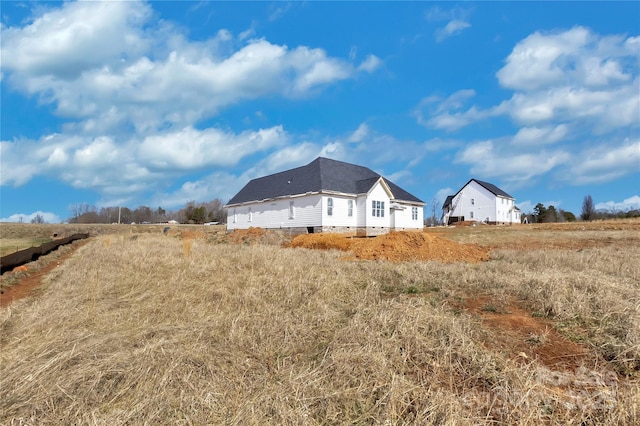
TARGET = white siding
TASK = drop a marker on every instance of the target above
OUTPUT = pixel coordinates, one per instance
(475, 198)
(361, 207)
(311, 210)
(276, 213)
(404, 218)
(340, 215)
(474, 202)
(377, 193)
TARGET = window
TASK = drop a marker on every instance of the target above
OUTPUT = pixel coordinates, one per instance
(471, 215)
(292, 211)
(414, 213)
(329, 206)
(473, 202)
(235, 216)
(377, 208)
(250, 215)
(350, 208)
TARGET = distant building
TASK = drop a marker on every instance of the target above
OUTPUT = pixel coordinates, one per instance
(481, 202)
(325, 196)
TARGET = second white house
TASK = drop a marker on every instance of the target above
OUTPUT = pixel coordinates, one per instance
(481, 202)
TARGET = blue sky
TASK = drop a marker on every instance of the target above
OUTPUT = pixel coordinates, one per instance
(161, 103)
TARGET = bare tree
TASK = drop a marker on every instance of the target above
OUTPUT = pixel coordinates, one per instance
(588, 210)
(38, 219)
(142, 214)
(433, 219)
(215, 211)
(80, 213)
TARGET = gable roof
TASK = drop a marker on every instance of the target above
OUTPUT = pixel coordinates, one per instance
(492, 188)
(322, 174)
(486, 185)
(447, 202)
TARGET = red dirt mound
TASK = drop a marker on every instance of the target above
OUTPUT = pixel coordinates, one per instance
(323, 241)
(396, 247)
(193, 235)
(246, 235)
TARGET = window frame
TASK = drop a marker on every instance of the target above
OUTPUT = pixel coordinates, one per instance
(377, 208)
(330, 206)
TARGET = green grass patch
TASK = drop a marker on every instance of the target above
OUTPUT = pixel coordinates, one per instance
(12, 245)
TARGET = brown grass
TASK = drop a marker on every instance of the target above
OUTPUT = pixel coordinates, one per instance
(131, 330)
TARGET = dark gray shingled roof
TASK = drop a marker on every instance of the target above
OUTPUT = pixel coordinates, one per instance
(488, 186)
(322, 174)
(447, 202)
(493, 189)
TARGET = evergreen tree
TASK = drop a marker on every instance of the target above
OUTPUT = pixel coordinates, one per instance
(588, 209)
(540, 212)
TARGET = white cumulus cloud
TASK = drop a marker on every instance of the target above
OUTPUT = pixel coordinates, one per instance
(457, 21)
(370, 64)
(76, 37)
(28, 217)
(487, 160)
(453, 27)
(132, 91)
(540, 135)
(631, 203)
(605, 162)
(191, 149)
(575, 90)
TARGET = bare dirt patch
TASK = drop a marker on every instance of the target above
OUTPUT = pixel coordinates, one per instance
(396, 247)
(24, 279)
(246, 235)
(524, 338)
(193, 234)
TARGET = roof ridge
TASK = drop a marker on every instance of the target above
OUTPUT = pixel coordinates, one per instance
(495, 190)
(321, 174)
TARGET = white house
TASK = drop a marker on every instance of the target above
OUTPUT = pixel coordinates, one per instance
(482, 202)
(325, 196)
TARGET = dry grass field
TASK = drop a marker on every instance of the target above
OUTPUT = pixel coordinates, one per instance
(195, 326)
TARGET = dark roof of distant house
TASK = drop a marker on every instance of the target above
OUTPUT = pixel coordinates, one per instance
(447, 202)
(492, 188)
(322, 174)
(486, 185)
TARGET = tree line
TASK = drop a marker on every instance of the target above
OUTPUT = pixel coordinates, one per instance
(193, 212)
(550, 214)
(544, 214)
(213, 211)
